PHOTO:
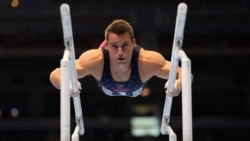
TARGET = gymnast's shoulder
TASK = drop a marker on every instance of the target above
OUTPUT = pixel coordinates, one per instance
(91, 58)
(92, 55)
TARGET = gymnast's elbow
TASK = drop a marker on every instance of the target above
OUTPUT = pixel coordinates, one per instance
(55, 78)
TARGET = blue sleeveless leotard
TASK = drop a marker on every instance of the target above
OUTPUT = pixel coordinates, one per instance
(131, 88)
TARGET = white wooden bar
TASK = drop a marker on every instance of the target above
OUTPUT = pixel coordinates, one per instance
(179, 55)
(70, 71)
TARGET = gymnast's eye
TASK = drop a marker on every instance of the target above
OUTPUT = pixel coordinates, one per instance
(114, 46)
(125, 46)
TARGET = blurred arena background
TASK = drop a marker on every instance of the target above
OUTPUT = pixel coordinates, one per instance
(216, 39)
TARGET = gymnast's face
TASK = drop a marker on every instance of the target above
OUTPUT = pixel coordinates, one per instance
(120, 48)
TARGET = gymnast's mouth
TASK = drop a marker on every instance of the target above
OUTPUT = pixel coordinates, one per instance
(121, 59)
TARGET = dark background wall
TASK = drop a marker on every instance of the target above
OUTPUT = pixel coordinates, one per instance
(216, 41)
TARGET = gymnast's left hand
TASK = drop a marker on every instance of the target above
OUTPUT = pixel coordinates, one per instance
(176, 91)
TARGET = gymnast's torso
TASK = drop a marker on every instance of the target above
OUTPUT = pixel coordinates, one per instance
(131, 88)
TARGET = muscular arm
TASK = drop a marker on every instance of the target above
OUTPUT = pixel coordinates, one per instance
(165, 70)
(154, 64)
(89, 63)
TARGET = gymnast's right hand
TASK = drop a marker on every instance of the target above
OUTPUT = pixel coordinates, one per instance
(74, 94)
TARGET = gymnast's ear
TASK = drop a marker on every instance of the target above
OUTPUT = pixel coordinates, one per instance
(134, 41)
(103, 44)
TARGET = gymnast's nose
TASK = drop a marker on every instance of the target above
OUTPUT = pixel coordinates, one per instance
(120, 50)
